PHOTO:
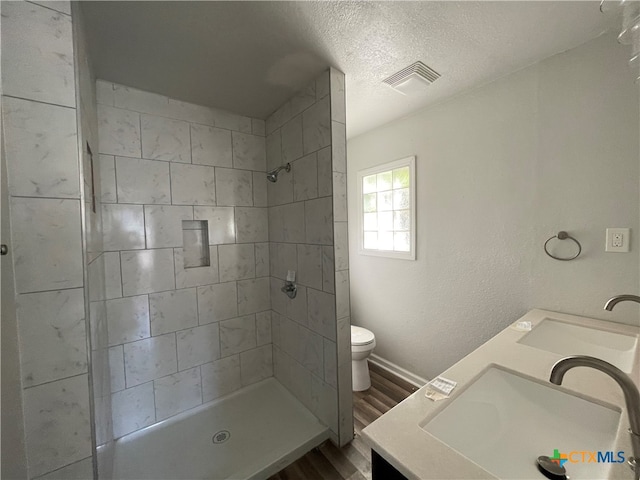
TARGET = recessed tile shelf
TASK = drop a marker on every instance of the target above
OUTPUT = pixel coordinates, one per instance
(195, 243)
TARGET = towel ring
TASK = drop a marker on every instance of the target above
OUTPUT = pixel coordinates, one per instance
(562, 235)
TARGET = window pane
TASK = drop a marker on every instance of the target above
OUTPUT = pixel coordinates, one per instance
(401, 177)
(371, 240)
(385, 201)
(385, 241)
(385, 221)
(401, 241)
(401, 199)
(371, 221)
(369, 202)
(384, 181)
(369, 184)
(387, 210)
(401, 220)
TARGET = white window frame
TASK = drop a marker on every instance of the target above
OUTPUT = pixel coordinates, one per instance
(403, 162)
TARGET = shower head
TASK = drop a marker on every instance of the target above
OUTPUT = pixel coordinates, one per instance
(272, 176)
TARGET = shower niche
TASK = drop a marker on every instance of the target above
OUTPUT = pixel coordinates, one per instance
(195, 243)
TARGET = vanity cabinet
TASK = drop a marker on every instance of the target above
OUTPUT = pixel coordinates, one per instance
(383, 470)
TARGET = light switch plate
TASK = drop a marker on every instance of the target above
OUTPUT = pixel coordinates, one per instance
(618, 240)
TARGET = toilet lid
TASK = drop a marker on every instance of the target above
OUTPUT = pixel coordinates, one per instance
(361, 336)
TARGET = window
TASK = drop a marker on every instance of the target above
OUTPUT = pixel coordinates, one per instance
(387, 211)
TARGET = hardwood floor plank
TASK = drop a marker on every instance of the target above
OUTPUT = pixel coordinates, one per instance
(389, 388)
(362, 447)
(358, 426)
(362, 463)
(359, 395)
(338, 460)
(408, 387)
(365, 412)
(378, 405)
(352, 462)
(381, 397)
(357, 476)
(292, 472)
(323, 466)
(309, 470)
(384, 383)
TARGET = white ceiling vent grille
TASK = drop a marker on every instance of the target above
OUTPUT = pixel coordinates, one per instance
(412, 79)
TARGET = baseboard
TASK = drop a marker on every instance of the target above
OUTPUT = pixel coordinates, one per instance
(398, 371)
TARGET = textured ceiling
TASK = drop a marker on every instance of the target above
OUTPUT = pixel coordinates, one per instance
(249, 57)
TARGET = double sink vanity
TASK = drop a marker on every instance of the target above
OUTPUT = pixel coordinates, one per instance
(505, 413)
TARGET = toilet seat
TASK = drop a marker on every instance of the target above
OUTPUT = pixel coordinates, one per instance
(361, 336)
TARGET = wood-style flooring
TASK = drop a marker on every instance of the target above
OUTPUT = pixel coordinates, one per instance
(352, 462)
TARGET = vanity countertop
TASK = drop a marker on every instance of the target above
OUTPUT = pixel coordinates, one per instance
(399, 439)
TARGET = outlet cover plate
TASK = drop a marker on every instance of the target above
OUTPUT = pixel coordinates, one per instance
(618, 240)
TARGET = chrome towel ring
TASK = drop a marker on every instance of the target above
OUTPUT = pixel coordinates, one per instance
(562, 235)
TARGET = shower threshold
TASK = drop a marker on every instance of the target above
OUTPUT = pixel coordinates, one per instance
(249, 434)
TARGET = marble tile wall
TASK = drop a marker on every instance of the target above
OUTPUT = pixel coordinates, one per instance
(307, 233)
(341, 255)
(179, 337)
(46, 188)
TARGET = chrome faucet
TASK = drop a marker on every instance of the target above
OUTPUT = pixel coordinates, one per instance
(613, 301)
(631, 396)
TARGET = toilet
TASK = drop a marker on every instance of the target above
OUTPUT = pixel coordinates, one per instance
(363, 342)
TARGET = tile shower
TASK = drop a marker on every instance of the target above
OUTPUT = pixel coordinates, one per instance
(186, 245)
(181, 335)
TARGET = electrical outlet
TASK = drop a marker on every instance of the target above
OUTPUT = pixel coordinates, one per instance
(618, 240)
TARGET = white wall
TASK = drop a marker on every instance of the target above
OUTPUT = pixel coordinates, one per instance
(499, 170)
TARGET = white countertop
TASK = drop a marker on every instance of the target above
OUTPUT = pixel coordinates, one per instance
(399, 439)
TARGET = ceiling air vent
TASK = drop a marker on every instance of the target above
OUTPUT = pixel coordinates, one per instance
(412, 79)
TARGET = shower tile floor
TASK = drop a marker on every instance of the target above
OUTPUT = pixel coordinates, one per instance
(250, 434)
(352, 462)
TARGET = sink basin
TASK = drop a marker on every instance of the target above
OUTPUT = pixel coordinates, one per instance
(504, 421)
(569, 339)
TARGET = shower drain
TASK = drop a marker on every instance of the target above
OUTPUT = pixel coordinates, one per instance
(221, 436)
